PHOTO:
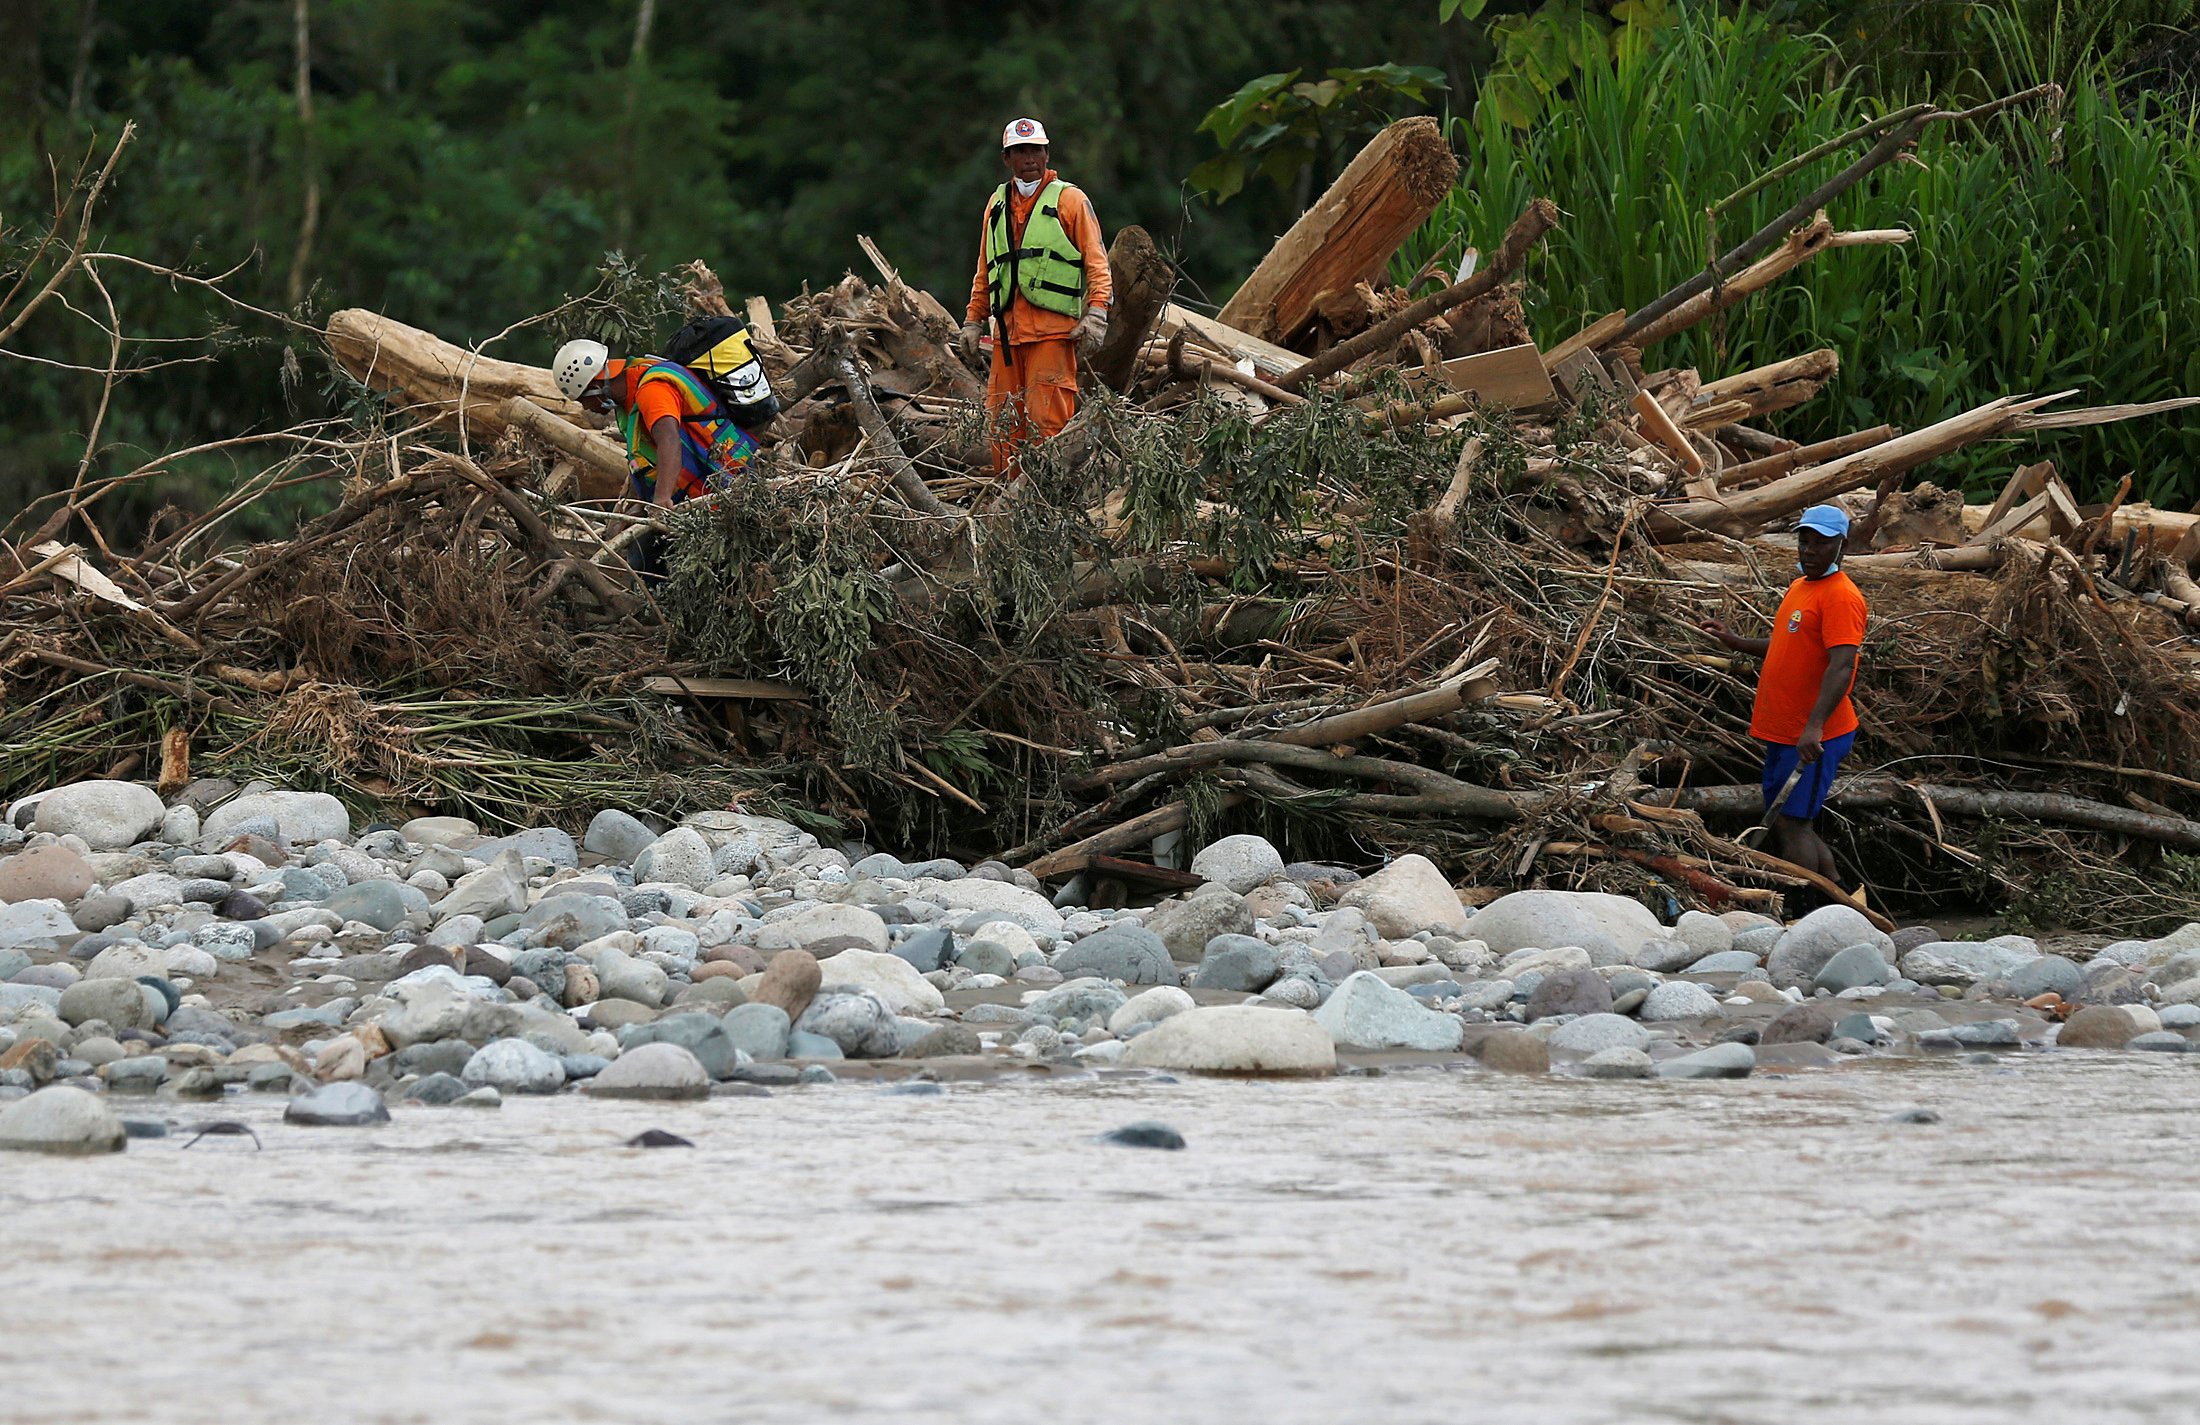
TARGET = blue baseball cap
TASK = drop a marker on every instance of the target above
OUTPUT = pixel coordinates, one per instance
(1830, 520)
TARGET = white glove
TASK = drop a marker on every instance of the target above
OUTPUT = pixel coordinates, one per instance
(966, 340)
(1091, 330)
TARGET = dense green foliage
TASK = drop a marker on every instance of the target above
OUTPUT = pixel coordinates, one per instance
(2054, 250)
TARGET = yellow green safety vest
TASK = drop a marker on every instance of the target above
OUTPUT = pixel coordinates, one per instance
(1048, 269)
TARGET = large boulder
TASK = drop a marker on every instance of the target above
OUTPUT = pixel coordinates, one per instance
(35, 925)
(680, 857)
(1187, 923)
(826, 927)
(616, 835)
(1366, 1013)
(60, 1120)
(46, 873)
(1236, 1039)
(1407, 897)
(1964, 963)
(1029, 909)
(889, 977)
(652, 1071)
(1239, 862)
(1130, 953)
(302, 817)
(107, 815)
(1805, 947)
(1547, 920)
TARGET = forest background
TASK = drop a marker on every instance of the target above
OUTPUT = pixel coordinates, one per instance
(464, 164)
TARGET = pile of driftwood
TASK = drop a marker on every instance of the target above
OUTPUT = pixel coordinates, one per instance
(1357, 563)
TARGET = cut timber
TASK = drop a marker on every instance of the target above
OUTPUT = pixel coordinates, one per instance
(1514, 378)
(1348, 236)
(1787, 462)
(2025, 485)
(1143, 281)
(1269, 360)
(1580, 373)
(2104, 415)
(1777, 387)
(1668, 437)
(605, 461)
(1588, 339)
(436, 381)
(1751, 510)
(2142, 519)
(764, 688)
(1802, 245)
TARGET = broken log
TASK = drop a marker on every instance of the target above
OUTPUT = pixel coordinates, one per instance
(1348, 235)
(1269, 360)
(1144, 280)
(1772, 467)
(441, 383)
(1801, 246)
(586, 446)
(1778, 387)
(2048, 808)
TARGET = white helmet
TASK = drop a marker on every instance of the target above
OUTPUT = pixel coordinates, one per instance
(578, 365)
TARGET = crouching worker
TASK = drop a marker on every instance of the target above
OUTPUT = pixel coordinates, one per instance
(1802, 712)
(680, 442)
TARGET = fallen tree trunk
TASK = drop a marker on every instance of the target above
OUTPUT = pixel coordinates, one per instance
(1143, 281)
(1787, 462)
(1348, 236)
(585, 446)
(2048, 808)
(1749, 394)
(441, 383)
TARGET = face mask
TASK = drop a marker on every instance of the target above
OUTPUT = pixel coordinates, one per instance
(1027, 189)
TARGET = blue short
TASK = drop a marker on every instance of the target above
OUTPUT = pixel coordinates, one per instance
(1809, 796)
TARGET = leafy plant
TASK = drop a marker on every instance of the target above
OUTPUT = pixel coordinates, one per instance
(1280, 126)
(1538, 53)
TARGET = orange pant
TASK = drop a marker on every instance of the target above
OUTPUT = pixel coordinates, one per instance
(1031, 398)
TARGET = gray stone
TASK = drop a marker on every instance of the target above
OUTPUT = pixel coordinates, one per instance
(1979, 1034)
(1806, 1023)
(652, 1071)
(1133, 954)
(826, 927)
(1720, 1061)
(1184, 927)
(1964, 963)
(107, 815)
(1573, 992)
(2160, 1041)
(346, 1105)
(544, 968)
(946, 1041)
(35, 925)
(1549, 919)
(300, 817)
(1407, 897)
(2097, 1027)
(381, 904)
(1365, 1013)
(499, 888)
(1730, 962)
(804, 1045)
(1239, 1039)
(1664, 957)
(2050, 974)
(1815, 939)
(100, 911)
(758, 1030)
(1853, 968)
(989, 957)
(928, 948)
(1090, 1000)
(1758, 941)
(119, 1003)
(860, 1024)
(2106, 983)
(616, 835)
(1678, 999)
(1618, 1062)
(1592, 1034)
(1705, 934)
(60, 1120)
(702, 1036)
(545, 843)
(436, 1090)
(1236, 962)
(141, 1074)
(568, 921)
(514, 1066)
(1858, 1027)
(680, 857)
(1239, 863)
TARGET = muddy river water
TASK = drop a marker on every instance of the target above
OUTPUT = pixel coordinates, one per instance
(1440, 1246)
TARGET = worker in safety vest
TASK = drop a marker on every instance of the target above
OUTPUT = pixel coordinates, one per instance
(668, 418)
(1043, 283)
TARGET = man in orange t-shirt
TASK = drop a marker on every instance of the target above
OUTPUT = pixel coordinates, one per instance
(1802, 713)
(1044, 288)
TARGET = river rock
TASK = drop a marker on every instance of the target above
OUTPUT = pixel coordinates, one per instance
(1091, 1000)
(2098, 1026)
(680, 857)
(1853, 968)
(1512, 1052)
(1149, 1007)
(758, 1030)
(1407, 897)
(1186, 924)
(928, 948)
(2050, 974)
(514, 1066)
(1029, 909)
(617, 836)
(701, 1035)
(826, 926)
(1239, 863)
(889, 977)
(102, 910)
(300, 817)
(35, 925)
(1132, 953)
(499, 888)
(1366, 1013)
(381, 904)
(859, 1023)
(790, 981)
(570, 920)
(1677, 999)
(652, 1071)
(1238, 963)
(121, 1003)
(60, 1120)
(1806, 946)
(1579, 991)
(1808, 1023)
(107, 816)
(1720, 1061)
(1592, 1034)
(347, 1105)
(1664, 957)
(45, 873)
(1542, 919)
(1237, 1039)
(1964, 963)
(126, 961)
(1618, 1062)
(1705, 934)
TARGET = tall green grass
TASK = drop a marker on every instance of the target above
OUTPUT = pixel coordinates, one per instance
(2053, 250)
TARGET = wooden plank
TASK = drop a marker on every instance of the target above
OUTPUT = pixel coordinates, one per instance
(1144, 872)
(1579, 373)
(1588, 339)
(1659, 426)
(766, 688)
(2063, 517)
(2103, 415)
(1514, 377)
(2011, 521)
(2024, 485)
(1268, 358)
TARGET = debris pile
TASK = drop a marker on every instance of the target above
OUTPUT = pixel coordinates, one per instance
(1359, 566)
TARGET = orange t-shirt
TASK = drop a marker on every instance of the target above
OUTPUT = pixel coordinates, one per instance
(1816, 616)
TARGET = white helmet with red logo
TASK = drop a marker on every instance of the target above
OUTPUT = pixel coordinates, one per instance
(1022, 131)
